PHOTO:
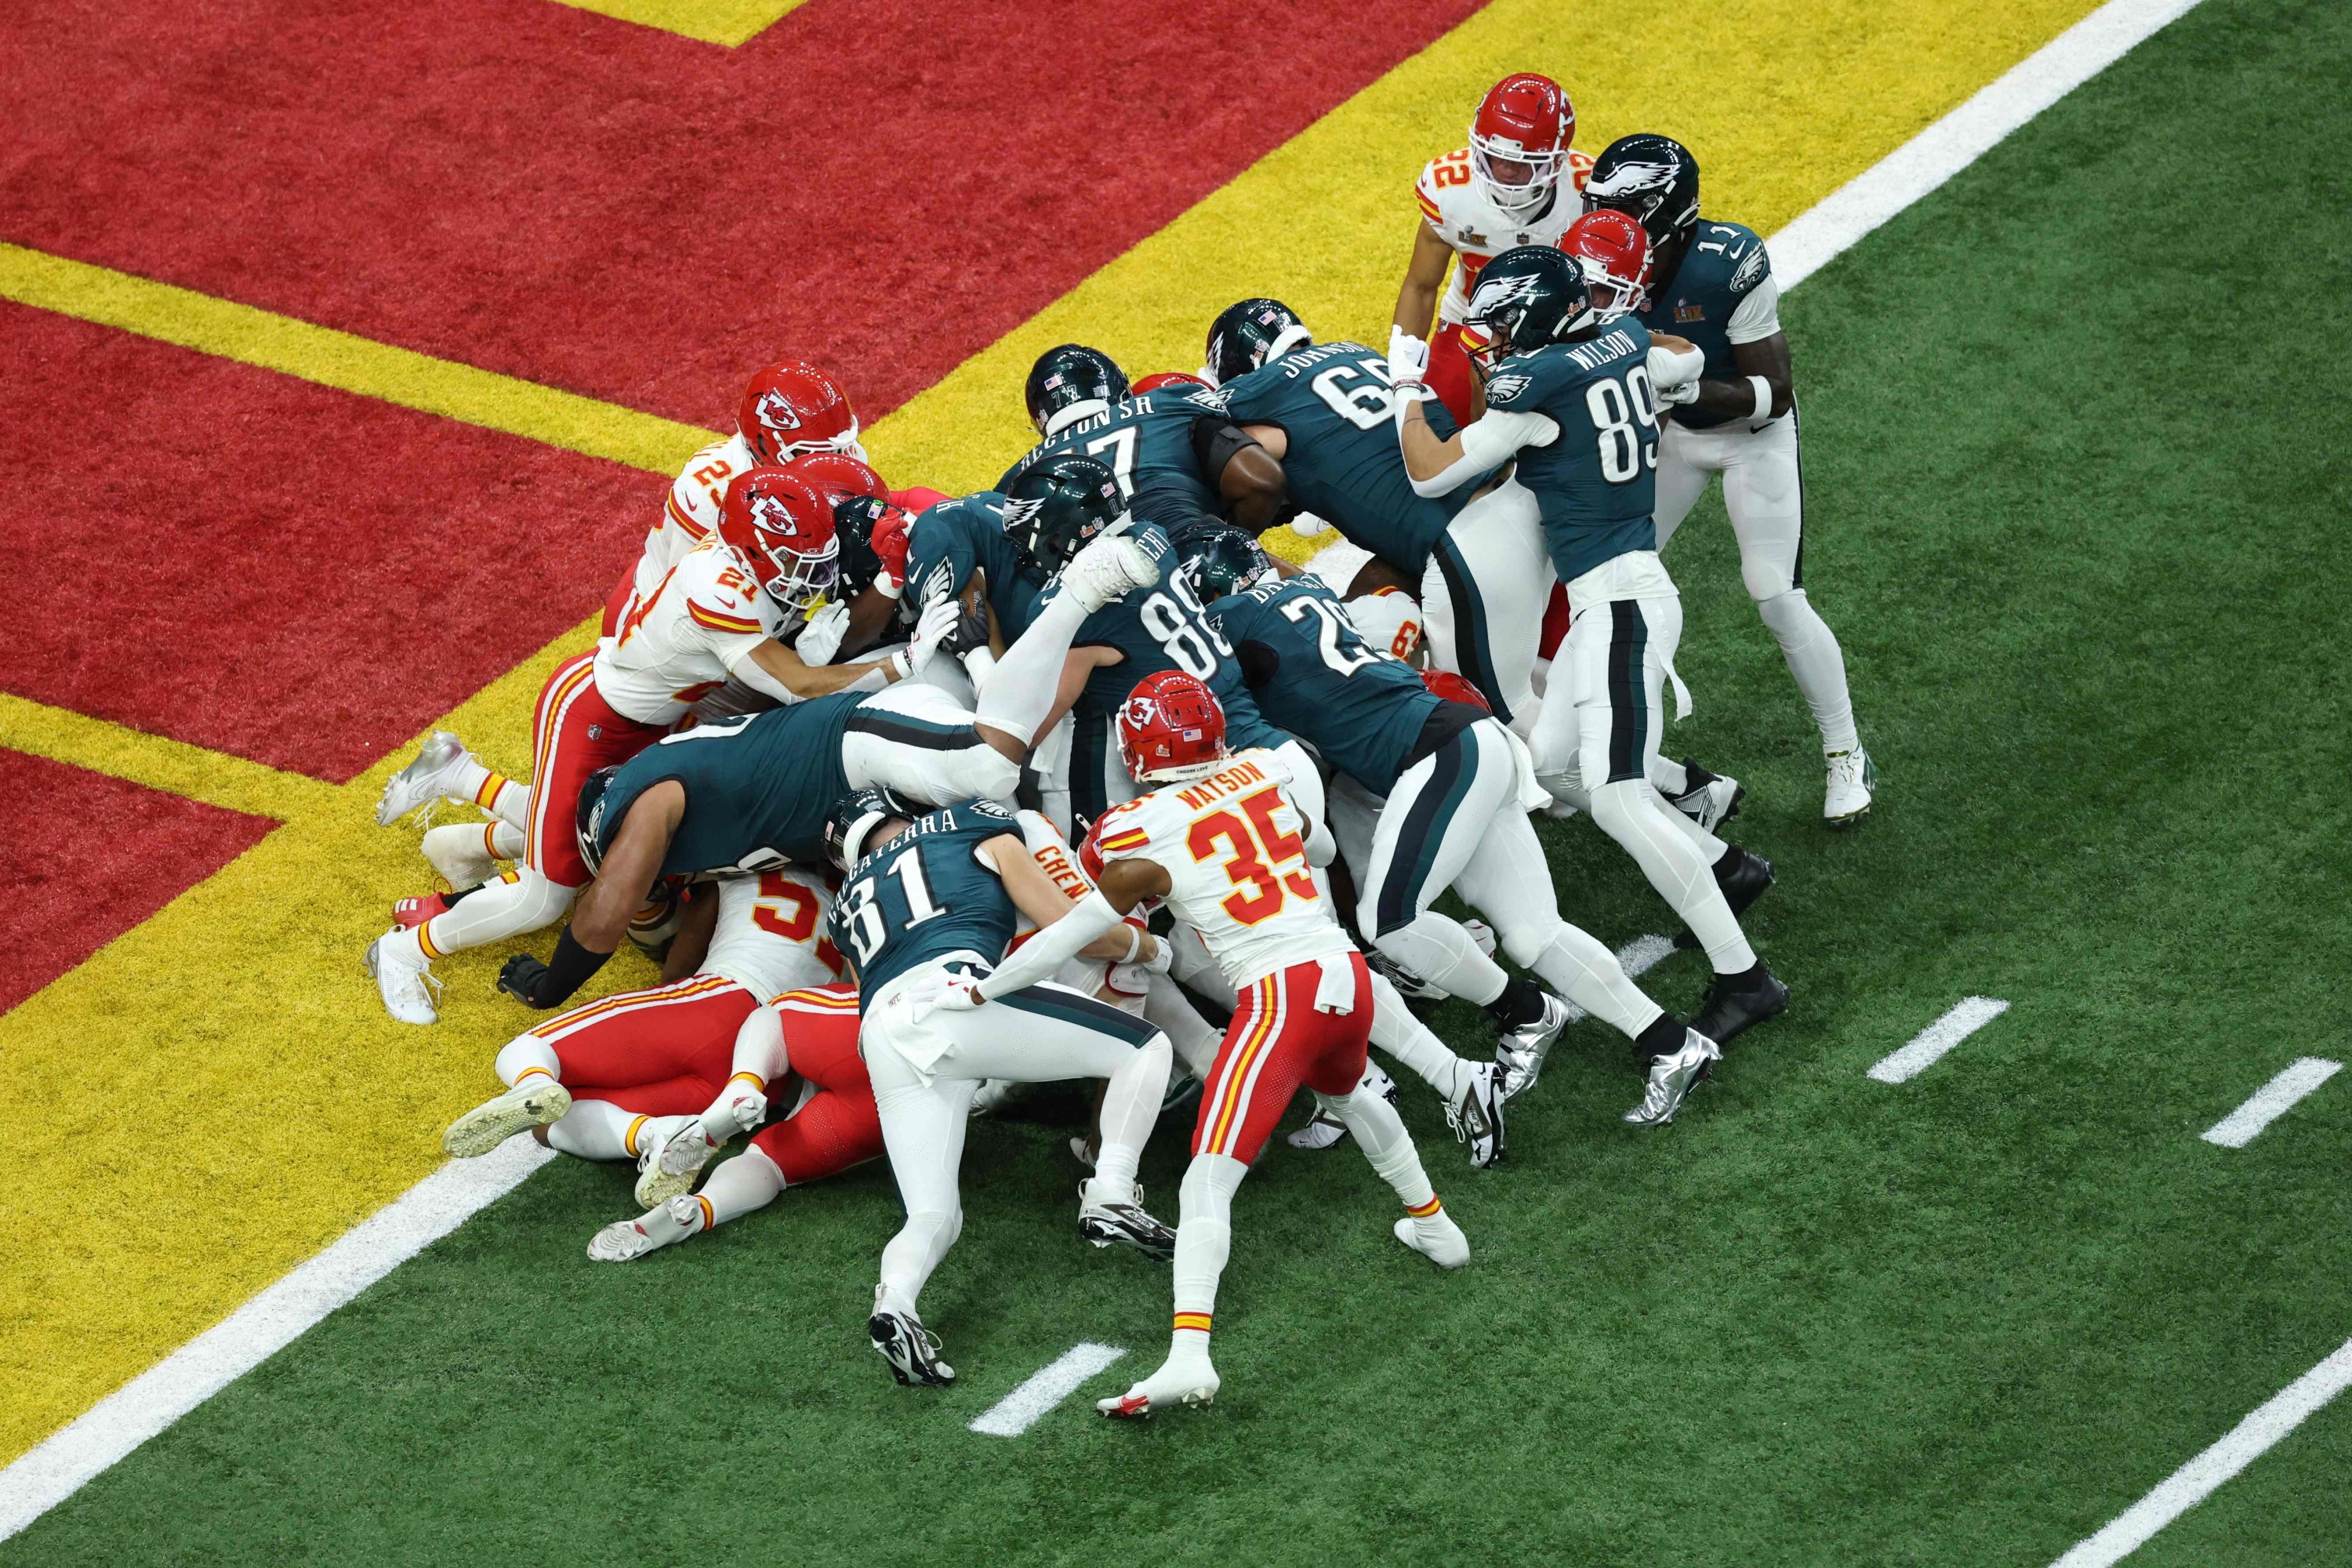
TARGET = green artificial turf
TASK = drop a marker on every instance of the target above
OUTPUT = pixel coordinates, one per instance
(2074, 443)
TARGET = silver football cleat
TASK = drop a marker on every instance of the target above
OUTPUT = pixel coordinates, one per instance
(1672, 1078)
(1520, 1052)
(426, 780)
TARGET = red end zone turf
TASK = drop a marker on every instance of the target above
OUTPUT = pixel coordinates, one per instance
(86, 856)
(268, 567)
(622, 212)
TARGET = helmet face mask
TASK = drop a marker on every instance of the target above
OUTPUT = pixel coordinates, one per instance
(781, 528)
(1059, 505)
(860, 500)
(1170, 728)
(1071, 376)
(1529, 295)
(588, 818)
(1219, 561)
(849, 827)
(1518, 142)
(1613, 250)
(1246, 334)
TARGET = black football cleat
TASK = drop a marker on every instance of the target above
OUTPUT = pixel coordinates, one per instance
(1732, 1007)
(912, 1350)
(1744, 877)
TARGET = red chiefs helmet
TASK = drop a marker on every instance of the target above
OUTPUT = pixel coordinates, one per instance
(837, 476)
(1518, 141)
(791, 408)
(1615, 252)
(1166, 378)
(1171, 727)
(781, 526)
(1454, 688)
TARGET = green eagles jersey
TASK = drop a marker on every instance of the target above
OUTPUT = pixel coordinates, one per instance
(1147, 442)
(1343, 463)
(924, 895)
(951, 539)
(1163, 628)
(758, 789)
(1361, 707)
(1597, 484)
(1722, 266)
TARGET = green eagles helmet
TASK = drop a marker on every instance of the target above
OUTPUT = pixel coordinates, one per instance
(1219, 561)
(1058, 504)
(1245, 335)
(588, 818)
(1069, 374)
(853, 819)
(1527, 297)
(1651, 179)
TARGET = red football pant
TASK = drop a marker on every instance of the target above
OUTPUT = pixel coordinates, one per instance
(662, 1052)
(1449, 373)
(1277, 1042)
(616, 604)
(572, 735)
(838, 1127)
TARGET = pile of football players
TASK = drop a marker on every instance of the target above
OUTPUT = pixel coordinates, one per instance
(921, 801)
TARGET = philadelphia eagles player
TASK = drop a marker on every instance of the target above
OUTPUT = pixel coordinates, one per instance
(1713, 283)
(1575, 403)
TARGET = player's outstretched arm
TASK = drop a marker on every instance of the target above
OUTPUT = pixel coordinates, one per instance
(789, 676)
(1425, 275)
(1065, 928)
(1250, 480)
(691, 945)
(601, 918)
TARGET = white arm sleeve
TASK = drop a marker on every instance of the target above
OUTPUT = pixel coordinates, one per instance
(1486, 444)
(745, 668)
(1041, 955)
(1669, 369)
(1758, 316)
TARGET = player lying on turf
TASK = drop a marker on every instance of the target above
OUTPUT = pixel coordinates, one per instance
(928, 896)
(1220, 839)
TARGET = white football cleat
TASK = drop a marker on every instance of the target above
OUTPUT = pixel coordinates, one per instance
(657, 1182)
(404, 977)
(428, 778)
(1852, 777)
(626, 1240)
(1708, 799)
(1189, 1382)
(1435, 1237)
(1111, 567)
(461, 853)
(536, 1101)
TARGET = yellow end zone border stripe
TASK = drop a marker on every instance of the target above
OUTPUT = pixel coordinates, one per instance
(176, 767)
(730, 23)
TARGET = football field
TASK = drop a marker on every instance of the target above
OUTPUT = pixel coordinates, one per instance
(348, 357)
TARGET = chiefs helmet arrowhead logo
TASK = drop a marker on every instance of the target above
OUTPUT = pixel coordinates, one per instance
(777, 413)
(772, 515)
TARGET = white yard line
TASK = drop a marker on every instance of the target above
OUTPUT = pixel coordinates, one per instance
(1964, 135)
(108, 1430)
(45, 1476)
(1048, 1386)
(2271, 1101)
(2195, 1482)
(1963, 1020)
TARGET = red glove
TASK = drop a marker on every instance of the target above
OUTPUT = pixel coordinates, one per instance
(890, 544)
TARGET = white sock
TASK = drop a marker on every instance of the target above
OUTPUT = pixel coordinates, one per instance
(1396, 1031)
(594, 1130)
(502, 908)
(527, 1053)
(749, 1181)
(1204, 1238)
(1589, 974)
(1631, 813)
(1019, 691)
(1381, 1133)
(1436, 948)
(1816, 662)
(1130, 1108)
(910, 1256)
(492, 790)
(1672, 778)
(1195, 1039)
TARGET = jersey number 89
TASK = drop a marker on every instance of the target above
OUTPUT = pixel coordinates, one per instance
(1616, 410)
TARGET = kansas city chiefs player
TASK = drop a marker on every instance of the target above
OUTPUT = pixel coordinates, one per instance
(731, 606)
(1506, 188)
(1222, 841)
(792, 408)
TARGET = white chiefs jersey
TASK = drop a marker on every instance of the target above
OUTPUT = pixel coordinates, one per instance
(691, 512)
(1060, 862)
(771, 933)
(1235, 847)
(680, 643)
(1457, 208)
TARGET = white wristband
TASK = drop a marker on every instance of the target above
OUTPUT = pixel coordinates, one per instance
(901, 664)
(1134, 944)
(1763, 398)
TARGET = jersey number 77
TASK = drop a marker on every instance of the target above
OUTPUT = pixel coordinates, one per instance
(1260, 847)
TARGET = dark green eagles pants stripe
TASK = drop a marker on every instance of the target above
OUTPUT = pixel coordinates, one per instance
(1471, 645)
(1069, 1007)
(1629, 706)
(1452, 767)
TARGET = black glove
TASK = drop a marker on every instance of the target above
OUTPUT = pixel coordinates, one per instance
(523, 978)
(544, 985)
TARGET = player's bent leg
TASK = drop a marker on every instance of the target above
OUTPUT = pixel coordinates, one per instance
(913, 739)
(922, 1130)
(1483, 598)
(749, 1182)
(1380, 1132)
(1471, 1091)
(535, 1097)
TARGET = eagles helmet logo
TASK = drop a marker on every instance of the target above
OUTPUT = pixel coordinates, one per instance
(1495, 294)
(776, 412)
(1019, 514)
(1504, 388)
(1627, 178)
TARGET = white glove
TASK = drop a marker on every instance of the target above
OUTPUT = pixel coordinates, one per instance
(937, 623)
(1163, 954)
(821, 638)
(1674, 396)
(960, 994)
(1408, 357)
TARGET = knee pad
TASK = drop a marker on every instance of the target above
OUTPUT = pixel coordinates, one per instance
(1788, 613)
(1526, 942)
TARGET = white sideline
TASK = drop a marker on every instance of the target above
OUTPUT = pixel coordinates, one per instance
(70, 1458)
(1045, 1388)
(1819, 235)
(1966, 1018)
(2193, 1482)
(281, 1313)
(2271, 1101)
